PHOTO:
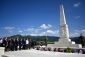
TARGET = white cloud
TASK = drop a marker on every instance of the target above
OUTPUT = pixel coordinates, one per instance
(49, 25)
(44, 29)
(45, 26)
(33, 34)
(9, 29)
(20, 31)
(77, 33)
(83, 30)
(77, 4)
(32, 30)
(43, 34)
(77, 17)
(29, 29)
(50, 31)
(46, 33)
(74, 34)
(39, 34)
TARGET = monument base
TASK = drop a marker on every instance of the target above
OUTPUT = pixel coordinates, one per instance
(64, 43)
(1, 51)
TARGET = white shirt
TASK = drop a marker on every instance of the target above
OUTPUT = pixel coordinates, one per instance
(1, 41)
(27, 41)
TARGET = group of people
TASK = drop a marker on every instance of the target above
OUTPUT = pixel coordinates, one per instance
(16, 44)
(66, 50)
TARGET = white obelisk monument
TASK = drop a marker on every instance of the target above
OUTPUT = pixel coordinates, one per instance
(64, 40)
(64, 33)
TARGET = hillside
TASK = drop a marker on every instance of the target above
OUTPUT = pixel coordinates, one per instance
(41, 38)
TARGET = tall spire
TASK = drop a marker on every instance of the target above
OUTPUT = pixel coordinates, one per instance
(62, 15)
(64, 32)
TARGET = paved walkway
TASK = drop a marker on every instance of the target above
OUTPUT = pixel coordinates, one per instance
(37, 53)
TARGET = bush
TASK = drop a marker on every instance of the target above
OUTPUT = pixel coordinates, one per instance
(69, 50)
(50, 42)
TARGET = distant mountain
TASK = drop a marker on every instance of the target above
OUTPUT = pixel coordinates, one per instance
(75, 39)
(41, 38)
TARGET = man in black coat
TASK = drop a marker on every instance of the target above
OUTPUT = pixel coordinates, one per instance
(4, 44)
(20, 44)
(24, 44)
(16, 44)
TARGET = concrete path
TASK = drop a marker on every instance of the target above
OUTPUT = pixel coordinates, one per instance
(37, 53)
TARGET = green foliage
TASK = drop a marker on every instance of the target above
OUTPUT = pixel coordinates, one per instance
(50, 42)
(69, 50)
(82, 40)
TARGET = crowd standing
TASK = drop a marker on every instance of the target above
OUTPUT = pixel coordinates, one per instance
(16, 44)
(23, 44)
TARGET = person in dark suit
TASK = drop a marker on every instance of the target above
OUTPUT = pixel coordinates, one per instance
(16, 44)
(30, 43)
(4, 44)
(20, 44)
(12, 44)
(23, 44)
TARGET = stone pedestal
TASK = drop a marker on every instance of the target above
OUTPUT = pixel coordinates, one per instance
(1, 51)
(64, 43)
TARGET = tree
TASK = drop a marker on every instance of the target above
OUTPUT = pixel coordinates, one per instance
(46, 39)
(69, 50)
(82, 40)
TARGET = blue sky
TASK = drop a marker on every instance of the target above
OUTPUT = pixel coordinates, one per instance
(40, 17)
